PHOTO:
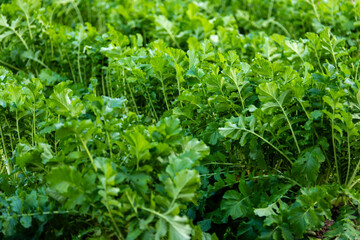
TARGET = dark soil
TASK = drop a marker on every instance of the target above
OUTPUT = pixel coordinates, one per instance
(327, 224)
(335, 211)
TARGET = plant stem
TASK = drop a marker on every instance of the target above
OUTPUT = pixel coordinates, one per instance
(271, 5)
(71, 69)
(10, 66)
(316, 13)
(352, 185)
(132, 97)
(131, 203)
(109, 143)
(178, 77)
(110, 85)
(34, 126)
(288, 121)
(280, 26)
(151, 103)
(173, 38)
(28, 23)
(107, 80)
(17, 124)
(257, 135)
(78, 62)
(8, 165)
(157, 214)
(12, 138)
(55, 143)
(333, 55)
(118, 232)
(78, 13)
(239, 91)
(354, 175)
(88, 153)
(241, 99)
(356, 73)
(103, 83)
(163, 89)
(334, 147)
(349, 158)
(318, 59)
(44, 213)
(316, 134)
(19, 36)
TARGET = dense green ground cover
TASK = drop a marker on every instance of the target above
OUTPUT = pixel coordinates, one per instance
(179, 119)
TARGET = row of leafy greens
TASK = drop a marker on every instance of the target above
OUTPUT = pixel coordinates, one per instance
(178, 119)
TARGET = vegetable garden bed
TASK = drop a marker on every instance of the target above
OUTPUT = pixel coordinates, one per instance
(178, 119)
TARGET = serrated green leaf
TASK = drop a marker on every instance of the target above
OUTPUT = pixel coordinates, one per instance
(183, 187)
(307, 166)
(235, 204)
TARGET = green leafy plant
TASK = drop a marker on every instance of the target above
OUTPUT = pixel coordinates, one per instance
(179, 119)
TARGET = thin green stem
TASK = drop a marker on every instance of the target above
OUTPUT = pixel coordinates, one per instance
(271, 5)
(349, 158)
(12, 139)
(158, 214)
(34, 125)
(28, 24)
(356, 73)
(291, 129)
(350, 184)
(7, 163)
(19, 36)
(217, 173)
(220, 163)
(151, 103)
(103, 83)
(178, 77)
(110, 85)
(78, 63)
(315, 10)
(316, 134)
(333, 55)
(107, 79)
(88, 153)
(173, 38)
(239, 91)
(71, 69)
(118, 232)
(334, 147)
(131, 203)
(109, 143)
(273, 146)
(40, 62)
(44, 213)
(78, 13)
(164, 92)
(10, 66)
(17, 125)
(280, 26)
(318, 59)
(132, 97)
(55, 142)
